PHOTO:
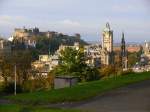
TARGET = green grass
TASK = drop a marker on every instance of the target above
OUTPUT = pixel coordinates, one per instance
(19, 108)
(10, 108)
(79, 92)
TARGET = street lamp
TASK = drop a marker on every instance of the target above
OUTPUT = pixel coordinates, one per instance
(15, 81)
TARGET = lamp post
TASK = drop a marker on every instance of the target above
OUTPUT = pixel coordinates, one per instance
(15, 81)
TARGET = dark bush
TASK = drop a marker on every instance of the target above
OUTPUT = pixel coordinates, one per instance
(9, 88)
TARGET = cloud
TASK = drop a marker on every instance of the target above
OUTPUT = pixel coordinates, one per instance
(70, 23)
(12, 20)
(129, 6)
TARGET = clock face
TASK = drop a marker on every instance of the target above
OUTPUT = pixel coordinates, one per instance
(107, 37)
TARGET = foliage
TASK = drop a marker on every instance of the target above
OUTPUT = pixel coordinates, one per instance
(133, 58)
(89, 89)
(39, 83)
(72, 60)
(6, 68)
(73, 63)
(22, 61)
(108, 70)
(117, 60)
(90, 74)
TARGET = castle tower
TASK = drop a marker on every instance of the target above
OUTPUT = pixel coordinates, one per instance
(124, 58)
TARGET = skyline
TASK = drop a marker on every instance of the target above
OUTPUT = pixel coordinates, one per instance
(88, 19)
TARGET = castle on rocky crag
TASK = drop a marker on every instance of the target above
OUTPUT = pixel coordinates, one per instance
(28, 36)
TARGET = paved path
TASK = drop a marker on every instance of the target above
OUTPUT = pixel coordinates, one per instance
(133, 98)
(3, 101)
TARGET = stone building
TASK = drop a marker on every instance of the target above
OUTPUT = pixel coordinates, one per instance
(147, 50)
(28, 36)
(101, 55)
(107, 55)
(5, 47)
(96, 56)
(93, 55)
(45, 64)
(65, 81)
(76, 46)
(25, 36)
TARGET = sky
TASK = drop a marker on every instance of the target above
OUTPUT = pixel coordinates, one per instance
(87, 17)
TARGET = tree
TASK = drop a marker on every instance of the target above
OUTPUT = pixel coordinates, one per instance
(133, 58)
(73, 63)
(22, 60)
(6, 68)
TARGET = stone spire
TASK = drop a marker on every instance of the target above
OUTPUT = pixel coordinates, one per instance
(107, 25)
(124, 57)
(123, 46)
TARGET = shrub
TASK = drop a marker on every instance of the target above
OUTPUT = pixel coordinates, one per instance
(108, 71)
(39, 83)
(92, 74)
(9, 88)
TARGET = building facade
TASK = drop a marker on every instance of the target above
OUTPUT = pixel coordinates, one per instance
(147, 51)
(93, 55)
(5, 47)
(45, 64)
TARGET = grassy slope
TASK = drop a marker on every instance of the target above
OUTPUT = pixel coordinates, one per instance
(19, 108)
(80, 92)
